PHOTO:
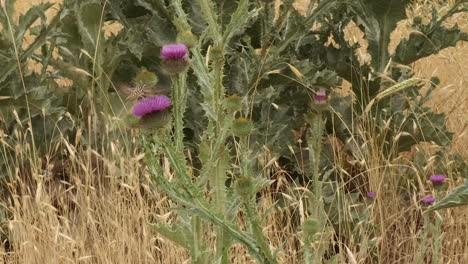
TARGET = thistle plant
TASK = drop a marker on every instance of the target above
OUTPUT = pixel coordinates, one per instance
(243, 75)
(316, 234)
(214, 150)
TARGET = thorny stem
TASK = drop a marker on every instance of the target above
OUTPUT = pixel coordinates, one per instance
(315, 148)
(214, 92)
(317, 126)
(180, 102)
(219, 179)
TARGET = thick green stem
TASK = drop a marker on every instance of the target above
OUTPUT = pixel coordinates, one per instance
(248, 200)
(180, 104)
(307, 253)
(221, 165)
(179, 98)
(256, 229)
(315, 148)
(197, 251)
(317, 126)
(220, 204)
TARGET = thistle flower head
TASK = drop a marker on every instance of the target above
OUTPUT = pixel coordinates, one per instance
(151, 104)
(174, 52)
(174, 58)
(428, 199)
(371, 194)
(320, 97)
(437, 178)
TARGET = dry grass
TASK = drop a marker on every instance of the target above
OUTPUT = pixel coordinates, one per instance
(99, 210)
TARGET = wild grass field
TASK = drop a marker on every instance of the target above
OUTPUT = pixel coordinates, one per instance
(95, 206)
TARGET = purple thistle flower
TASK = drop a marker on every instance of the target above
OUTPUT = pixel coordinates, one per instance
(428, 199)
(174, 52)
(320, 97)
(437, 178)
(371, 194)
(174, 58)
(151, 104)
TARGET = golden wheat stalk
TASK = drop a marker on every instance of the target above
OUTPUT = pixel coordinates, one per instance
(392, 90)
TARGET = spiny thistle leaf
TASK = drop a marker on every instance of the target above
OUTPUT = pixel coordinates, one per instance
(176, 233)
(89, 23)
(428, 39)
(379, 18)
(239, 20)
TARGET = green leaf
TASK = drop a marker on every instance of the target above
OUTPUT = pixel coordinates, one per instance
(424, 126)
(239, 20)
(177, 233)
(458, 197)
(89, 23)
(26, 20)
(158, 27)
(379, 18)
(7, 69)
(430, 41)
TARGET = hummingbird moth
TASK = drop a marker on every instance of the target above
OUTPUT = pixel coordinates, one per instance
(140, 91)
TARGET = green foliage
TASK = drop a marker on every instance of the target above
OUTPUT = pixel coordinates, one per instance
(428, 39)
(29, 99)
(35, 99)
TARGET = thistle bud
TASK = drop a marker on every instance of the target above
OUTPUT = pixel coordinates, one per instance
(244, 186)
(216, 54)
(233, 103)
(310, 227)
(187, 38)
(146, 78)
(242, 126)
(174, 58)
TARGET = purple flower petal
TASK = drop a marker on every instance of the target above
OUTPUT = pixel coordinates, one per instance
(174, 51)
(437, 178)
(371, 194)
(428, 199)
(320, 96)
(151, 104)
